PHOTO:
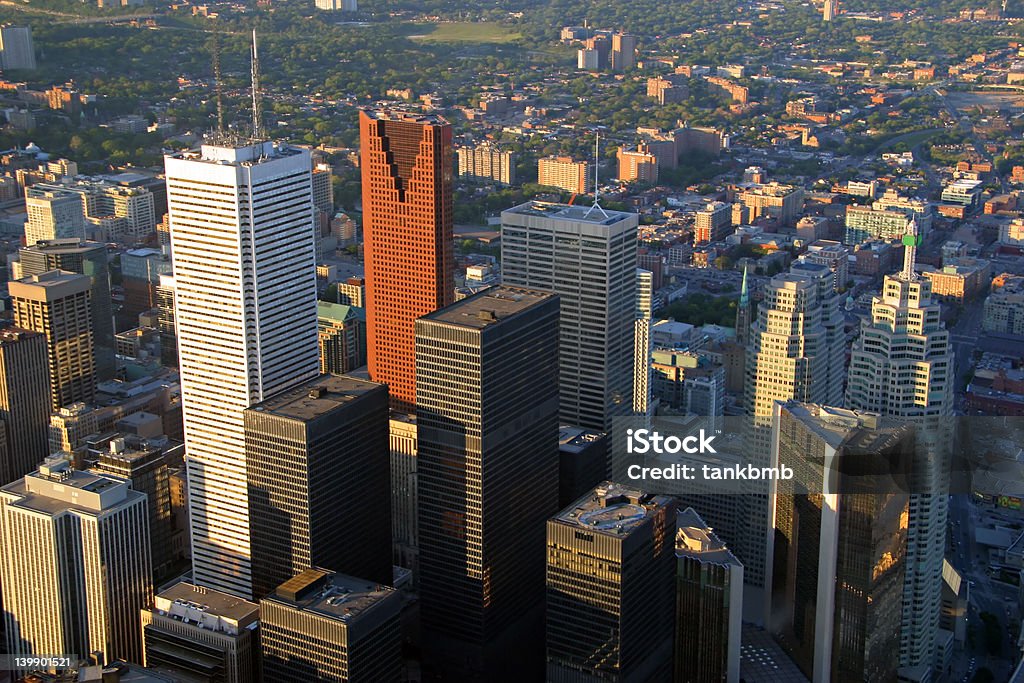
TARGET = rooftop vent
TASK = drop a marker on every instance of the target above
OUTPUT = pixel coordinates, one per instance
(318, 392)
(488, 316)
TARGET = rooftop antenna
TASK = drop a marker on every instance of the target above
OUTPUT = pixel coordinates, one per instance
(217, 81)
(597, 186)
(257, 106)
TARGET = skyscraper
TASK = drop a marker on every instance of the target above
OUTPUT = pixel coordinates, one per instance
(902, 366)
(84, 258)
(24, 401)
(709, 604)
(796, 351)
(58, 304)
(588, 257)
(16, 48)
(241, 219)
(610, 579)
(75, 566)
(52, 214)
(319, 484)
(487, 424)
(406, 162)
(324, 626)
(642, 342)
(841, 543)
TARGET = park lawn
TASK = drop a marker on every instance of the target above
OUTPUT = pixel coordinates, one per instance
(465, 32)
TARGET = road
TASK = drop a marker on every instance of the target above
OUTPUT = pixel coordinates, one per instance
(963, 338)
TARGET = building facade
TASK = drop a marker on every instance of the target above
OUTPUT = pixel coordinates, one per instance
(24, 402)
(565, 174)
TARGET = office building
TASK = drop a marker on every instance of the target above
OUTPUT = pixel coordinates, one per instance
(583, 460)
(709, 604)
(70, 425)
(165, 322)
(142, 464)
(352, 292)
(834, 256)
(610, 581)
(902, 365)
(342, 336)
(588, 257)
(24, 402)
(140, 278)
(324, 626)
(713, 223)
(841, 543)
(202, 635)
(406, 162)
(830, 10)
(964, 192)
(75, 566)
(16, 48)
(1004, 306)
(487, 163)
(57, 304)
(565, 174)
(53, 214)
(404, 491)
(237, 289)
(959, 280)
(112, 211)
(487, 468)
(783, 203)
(84, 258)
(319, 481)
(688, 383)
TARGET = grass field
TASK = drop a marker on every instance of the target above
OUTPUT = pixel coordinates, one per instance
(464, 32)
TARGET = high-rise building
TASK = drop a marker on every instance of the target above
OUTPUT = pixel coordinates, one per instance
(323, 626)
(75, 566)
(342, 335)
(70, 425)
(202, 634)
(709, 604)
(53, 214)
(582, 462)
(831, 254)
(637, 165)
(406, 162)
(111, 211)
(712, 223)
(840, 543)
(143, 466)
(623, 54)
(352, 292)
(487, 163)
(140, 277)
(57, 303)
(338, 5)
(24, 402)
(588, 257)
(319, 481)
(902, 366)
(487, 472)
(610, 582)
(84, 258)
(16, 48)
(830, 10)
(404, 491)
(165, 322)
(796, 352)
(241, 219)
(773, 200)
(565, 174)
(642, 342)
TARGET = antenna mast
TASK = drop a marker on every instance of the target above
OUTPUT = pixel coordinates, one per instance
(217, 80)
(257, 105)
(597, 167)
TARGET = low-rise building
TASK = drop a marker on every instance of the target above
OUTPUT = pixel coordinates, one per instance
(960, 280)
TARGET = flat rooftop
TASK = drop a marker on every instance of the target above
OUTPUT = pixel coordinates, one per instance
(334, 595)
(404, 116)
(237, 152)
(489, 307)
(577, 439)
(586, 214)
(317, 397)
(209, 600)
(842, 428)
(13, 335)
(612, 509)
(696, 539)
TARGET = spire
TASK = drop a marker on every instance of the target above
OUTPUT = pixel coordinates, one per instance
(911, 241)
(744, 289)
(743, 312)
(257, 105)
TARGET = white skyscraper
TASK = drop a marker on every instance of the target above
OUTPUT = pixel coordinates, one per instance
(588, 257)
(902, 366)
(75, 564)
(242, 236)
(53, 214)
(642, 343)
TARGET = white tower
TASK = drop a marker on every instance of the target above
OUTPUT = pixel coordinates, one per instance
(242, 238)
(902, 366)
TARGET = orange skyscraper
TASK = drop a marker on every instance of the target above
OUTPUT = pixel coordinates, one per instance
(407, 170)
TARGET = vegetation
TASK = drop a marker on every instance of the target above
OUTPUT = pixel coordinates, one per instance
(701, 309)
(465, 32)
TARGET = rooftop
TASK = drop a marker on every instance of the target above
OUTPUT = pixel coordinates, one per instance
(183, 597)
(405, 116)
(48, 286)
(842, 428)
(67, 245)
(10, 335)
(612, 509)
(333, 595)
(489, 307)
(56, 487)
(577, 439)
(697, 540)
(317, 397)
(587, 214)
(238, 152)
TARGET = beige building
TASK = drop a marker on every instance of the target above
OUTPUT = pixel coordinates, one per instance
(565, 174)
(57, 304)
(487, 163)
(1004, 307)
(784, 203)
(53, 213)
(960, 279)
